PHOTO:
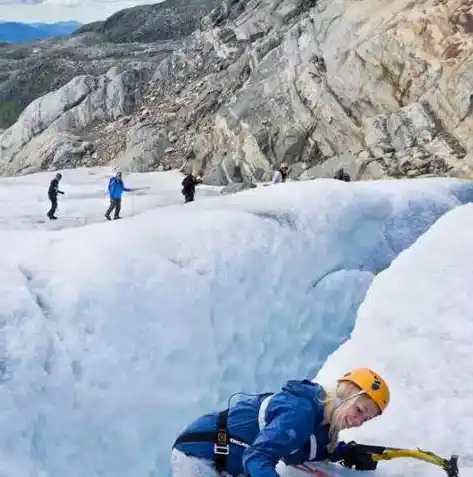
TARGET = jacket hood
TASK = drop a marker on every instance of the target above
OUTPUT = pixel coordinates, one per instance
(305, 388)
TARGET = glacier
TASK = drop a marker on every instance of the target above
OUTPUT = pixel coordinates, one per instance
(114, 335)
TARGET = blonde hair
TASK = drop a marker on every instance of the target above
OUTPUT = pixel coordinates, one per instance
(335, 399)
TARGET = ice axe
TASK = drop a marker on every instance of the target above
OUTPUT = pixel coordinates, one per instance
(450, 466)
(379, 453)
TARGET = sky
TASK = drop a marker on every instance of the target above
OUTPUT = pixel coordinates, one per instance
(48, 11)
(115, 335)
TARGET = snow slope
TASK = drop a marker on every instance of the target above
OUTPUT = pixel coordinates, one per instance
(114, 335)
(416, 327)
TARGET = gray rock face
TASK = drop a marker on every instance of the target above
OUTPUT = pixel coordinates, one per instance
(337, 82)
(30, 71)
(144, 149)
(382, 88)
(237, 187)
(43, 135)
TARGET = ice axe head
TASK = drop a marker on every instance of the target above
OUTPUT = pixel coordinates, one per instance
(451, 466)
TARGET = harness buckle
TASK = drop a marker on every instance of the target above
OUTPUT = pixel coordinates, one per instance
(221, 446)
(220, 449)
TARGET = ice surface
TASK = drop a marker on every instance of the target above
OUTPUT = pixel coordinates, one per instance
(415, 326)
(116, 334)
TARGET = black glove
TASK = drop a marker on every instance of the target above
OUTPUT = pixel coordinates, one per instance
(353, 455)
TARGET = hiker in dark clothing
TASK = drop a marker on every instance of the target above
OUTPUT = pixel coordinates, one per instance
(53, 191)
(188, 185)
(281, 174)
(115, 189)
(341, 175)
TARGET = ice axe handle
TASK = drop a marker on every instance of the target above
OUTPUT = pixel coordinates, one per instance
(449, 465)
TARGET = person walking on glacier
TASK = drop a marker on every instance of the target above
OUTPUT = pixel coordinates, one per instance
(53, 191)
(116, 187)
(300, 423)
(342, 175)
(281, 174)
(189, 183)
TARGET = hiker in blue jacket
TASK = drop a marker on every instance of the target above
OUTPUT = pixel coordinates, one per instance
(298, 424)
(115, 189)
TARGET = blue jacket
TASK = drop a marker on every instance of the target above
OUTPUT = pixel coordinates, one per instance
(287, 425)
(116, 188)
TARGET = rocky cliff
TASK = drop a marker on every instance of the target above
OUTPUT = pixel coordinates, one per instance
(135, 35)
(381, 87)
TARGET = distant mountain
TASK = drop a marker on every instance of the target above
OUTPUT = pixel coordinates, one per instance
(59, 28)
(16, 32)
(162, 21)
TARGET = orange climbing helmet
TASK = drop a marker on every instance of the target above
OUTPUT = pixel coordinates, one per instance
(371, 383)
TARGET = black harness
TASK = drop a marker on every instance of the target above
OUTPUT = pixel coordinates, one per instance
(220, 438)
